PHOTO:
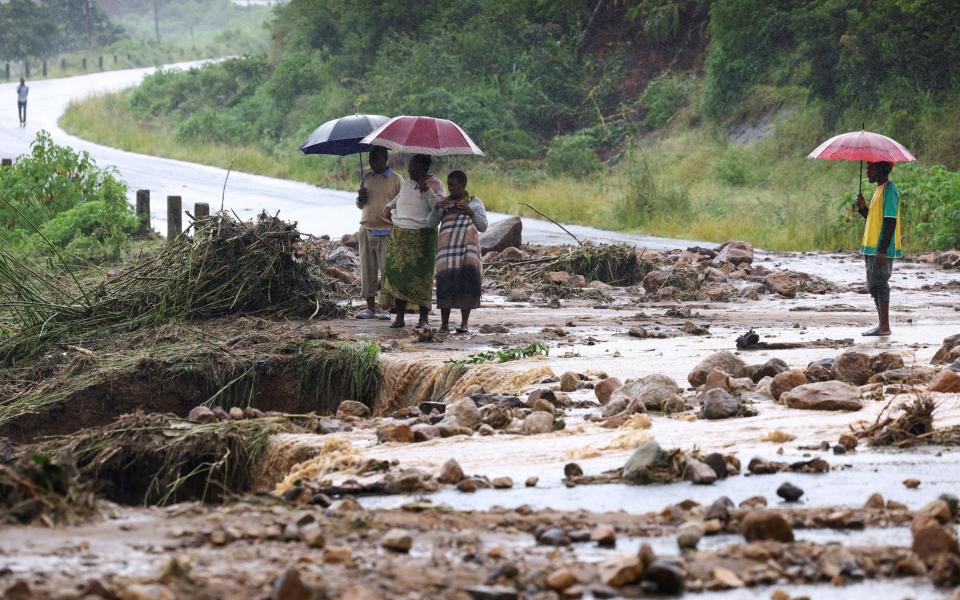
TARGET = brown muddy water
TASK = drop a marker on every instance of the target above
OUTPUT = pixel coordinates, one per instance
(460, 543)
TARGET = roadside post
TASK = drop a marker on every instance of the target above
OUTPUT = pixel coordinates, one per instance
(174, 216)
(143, 209)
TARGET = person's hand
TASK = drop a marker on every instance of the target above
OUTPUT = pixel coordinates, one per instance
(861, 203)
(388, 213)
(465, 208)
(362, 195)
(421, 185)
(444, 203)
(881, 259)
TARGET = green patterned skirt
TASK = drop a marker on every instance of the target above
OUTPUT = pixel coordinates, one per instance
(411, 261)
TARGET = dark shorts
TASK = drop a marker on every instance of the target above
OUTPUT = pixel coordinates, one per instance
(878, 278)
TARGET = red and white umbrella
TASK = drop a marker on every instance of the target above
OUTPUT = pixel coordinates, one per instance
(862, 145)
(423, 135)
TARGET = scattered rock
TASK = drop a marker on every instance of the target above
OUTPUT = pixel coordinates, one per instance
(948, 352)
(691, 328)
(726, 578)
(289, 586)
(501, 235)
(717, 379)
(502, 483)
(621, 571)
(911, 483)
(946, 381)
(571, 470)
(689, 536)
(853, 367)
(953, 503)
(699, 473)
(848, 441)
(531, 481)
(544, 393)
(605, 388)
(760, 525)
(645, 456)
(561, 579)
(780, 282)
(465, 412)
(825, 395)
(885, 361)
(489, 592)
(725, 361)
(875, 502)
(424, 432)
(312, 535)
(653, 392)
(542, 405)
(604, 535)
(395, 432)
(569, 381)
(140, 591)
(789, 492)
(352, 408)
(667, 576)
(538, 422)
(468, 485)
(771, 368)
(719, 404)
(397, 540)
(786, 381)
(450, 472)
(720, 510)
(735, 252)
(337, 555)
(930, 538)
(553, 536)
(716, 462)
(576, 281)
(556, 277)
(817, 371)
(201, 414)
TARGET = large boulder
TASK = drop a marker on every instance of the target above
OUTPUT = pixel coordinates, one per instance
(931, 538)
(735, 252)
(780, 282)
(853, 367)
(605, 388)
(503, 234)
(727, 362)
(642, 458)
(653, 392)
(947, 381)
(949, 351)
(761, 525)
(784, 382)
(824, 395)
(465, 412)
(538, 422)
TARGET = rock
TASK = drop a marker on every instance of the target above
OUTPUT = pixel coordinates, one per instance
(576, 281)
(538, 422)
(561, 579)
(848, 441)
(717, 379)
(654, 280)
(352, 408)
(939, 510)
(615, 406)
(752, 291)
(715, 275)
(725, 361)
(930, 538)
(953, 503)
(653, 392)
(468, 486)
(735, 252)
(784, 382)
(390, 432)
(698, 472)
(825, 395)
(605, 388)
(727, 578)
(556, 277)
(486, 430)
(853, 367)
(604, 535)
(429, 407)
(645, 456)
(531, 481)
(201, 414)
(572, 470)
(289, 586)
(502, 483)
(789, 492)
(511, 254)
(816, 372)
(424, 432)
(542, 405)
(780, 282)
(337, 555)
(397, 540)
(569, 381)
(760, 525)
(312, 535)
(689, 536)
(621, 571)
(553, 536)
(691, 328)
(450, 472)
(139, 591)
(667, 576)
(465, 412)
(875, 502)
(236, 413)
(546, 394)
(489, 592)
(719, 404)
(715, 461)
(638, 332)
(946, 381)
(501, 235)
(911, 483)
(946, 352)
(771, 368)
(886, 361)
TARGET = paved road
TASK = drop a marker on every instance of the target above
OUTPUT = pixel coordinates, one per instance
(318, 211)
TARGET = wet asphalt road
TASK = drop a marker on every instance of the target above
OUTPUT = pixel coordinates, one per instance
(318, 211)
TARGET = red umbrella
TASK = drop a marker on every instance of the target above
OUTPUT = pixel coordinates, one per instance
(863, 146)
(423, 135)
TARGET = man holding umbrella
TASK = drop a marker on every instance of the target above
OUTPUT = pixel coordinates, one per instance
(882, 242)
(380, 185)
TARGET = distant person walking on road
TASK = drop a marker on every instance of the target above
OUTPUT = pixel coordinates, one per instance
(22, 91)
(412, 251)
(381, 184)
(462, 218)
(882, 242)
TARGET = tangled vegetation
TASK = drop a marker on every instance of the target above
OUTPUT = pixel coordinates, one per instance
(504, 355)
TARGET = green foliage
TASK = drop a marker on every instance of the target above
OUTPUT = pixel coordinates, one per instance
(670, 20)
(42, 29)
(74, 204)
(646, 198)
(572, 155)
(664, 96)
(505, 355)
(735, 167)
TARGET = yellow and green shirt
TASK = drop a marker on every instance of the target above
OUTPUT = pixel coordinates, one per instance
(885, 203)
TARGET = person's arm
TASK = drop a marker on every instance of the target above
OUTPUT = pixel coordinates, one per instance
(436, 215)
(886, 236)
(388, 209)
(861, 206)
(479, 214)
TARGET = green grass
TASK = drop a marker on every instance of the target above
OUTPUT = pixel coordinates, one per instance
(695, 184)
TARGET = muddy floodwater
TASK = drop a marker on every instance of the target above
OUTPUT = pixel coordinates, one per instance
(488, 542)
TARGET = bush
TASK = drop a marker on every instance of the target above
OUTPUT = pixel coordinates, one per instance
(734, 167)
(663, 97)
(572, 155)
(647, 198)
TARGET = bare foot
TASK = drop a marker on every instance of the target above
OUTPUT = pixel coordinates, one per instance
(463, 329)
(444, 329)
(398, 324)
(422, 325)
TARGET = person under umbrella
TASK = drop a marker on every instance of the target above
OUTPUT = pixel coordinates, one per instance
(412, 249)
(462, 218)
(378, 187)
(882, 241)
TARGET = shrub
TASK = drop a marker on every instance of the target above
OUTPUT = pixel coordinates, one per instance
(646, 198)
(663, 97)
(734, 167)
(572, 155)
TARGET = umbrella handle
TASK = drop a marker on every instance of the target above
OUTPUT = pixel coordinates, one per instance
(860, 182)
(360, 158)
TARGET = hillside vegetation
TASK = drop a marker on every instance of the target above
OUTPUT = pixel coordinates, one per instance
(674, 117)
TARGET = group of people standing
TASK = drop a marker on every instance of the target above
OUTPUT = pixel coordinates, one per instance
(401, 250)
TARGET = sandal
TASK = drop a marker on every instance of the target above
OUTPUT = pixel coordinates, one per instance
(463, 330)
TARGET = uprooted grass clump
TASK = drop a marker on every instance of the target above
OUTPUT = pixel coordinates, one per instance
(35, 488)
(227, 266)
(912, 425)
(613, 264)
(159, 458)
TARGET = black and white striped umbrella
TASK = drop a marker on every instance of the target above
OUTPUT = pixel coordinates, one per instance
(341, 137)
